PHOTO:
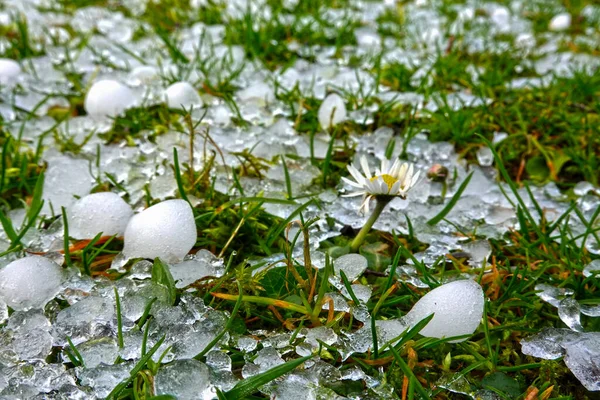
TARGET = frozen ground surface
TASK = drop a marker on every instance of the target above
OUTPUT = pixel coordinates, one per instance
(98, 101)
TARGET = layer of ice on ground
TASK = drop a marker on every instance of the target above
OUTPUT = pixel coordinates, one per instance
(166, 230)
(96, 213)
(30, 282)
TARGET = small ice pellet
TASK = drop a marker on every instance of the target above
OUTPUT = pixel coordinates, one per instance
(181, 95)
(166, 230)
(458, 307)
(104, 212)
(107, 99)
(30, 282)
(332, 111)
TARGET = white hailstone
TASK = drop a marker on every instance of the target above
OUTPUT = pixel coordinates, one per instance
(458, 307)
(9, 69)
(107, 99)
(30, 282)
(332, 111)
(560, 22)
(104, 212)
(182, 95)
(166, 230)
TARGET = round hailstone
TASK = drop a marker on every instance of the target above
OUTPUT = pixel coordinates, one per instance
(107, 99)
(102, 212)
(458, 307)
(332, 111)
(183, 96)
(166, 230)
(353, 266)
(560, 22)
(9, 69)
(30, 282)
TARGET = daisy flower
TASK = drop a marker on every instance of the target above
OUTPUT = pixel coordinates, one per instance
(387, 182)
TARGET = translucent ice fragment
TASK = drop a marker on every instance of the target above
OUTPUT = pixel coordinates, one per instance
(184, 379)
(545, 344)
(479, 251)
(332, 111)
(108, 98)
(57, 192)
(30, 282)
(182, 95)
(583, 359)
(458, 307)
(166, 230)
(592, 268)
(569, 312)
(102, 212)
(202, 264)
(353, 266)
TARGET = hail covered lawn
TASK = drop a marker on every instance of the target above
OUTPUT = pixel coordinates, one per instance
(174, 222)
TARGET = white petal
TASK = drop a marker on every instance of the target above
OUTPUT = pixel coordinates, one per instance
(356, 174)
(415, 179)
(402, 172)
(352, 183)
(410, 173)
(383, 187)
(395, 188)
(365, 167)
(384, 166)
(395, 167)
(353, 194)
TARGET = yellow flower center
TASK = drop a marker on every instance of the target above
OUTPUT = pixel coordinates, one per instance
(388, 179)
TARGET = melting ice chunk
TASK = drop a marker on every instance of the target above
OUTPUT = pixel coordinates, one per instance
(181, 95)
(102, 212)
(581, 351)
(458, 307)
(107, 98)
(9, 69)
(332, 111)
(560, 22)
(184, 379)
(353, 266)
(166, 230)
(30, 282)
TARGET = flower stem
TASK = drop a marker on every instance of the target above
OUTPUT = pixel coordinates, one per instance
(380, 203)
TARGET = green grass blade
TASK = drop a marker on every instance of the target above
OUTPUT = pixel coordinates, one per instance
(162, 276)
